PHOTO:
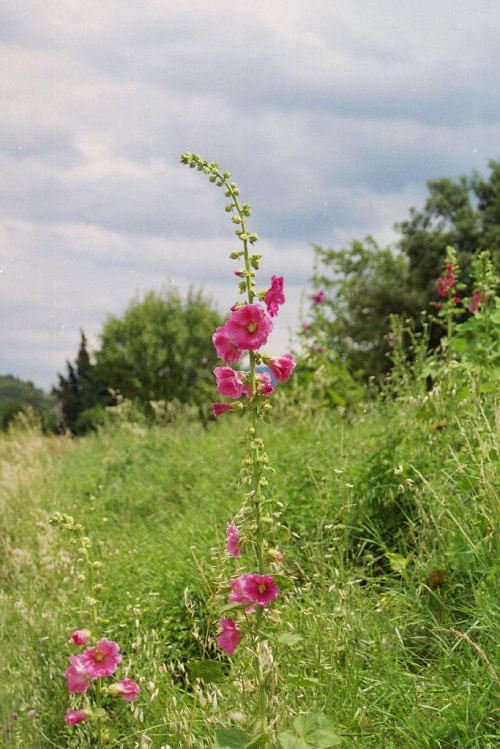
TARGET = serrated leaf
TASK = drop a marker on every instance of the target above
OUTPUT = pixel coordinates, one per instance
(231, 738)
(210, 672)
(289, 638)
(397, 562)
(313, 731)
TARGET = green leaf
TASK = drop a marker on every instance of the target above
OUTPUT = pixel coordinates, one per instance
(210, 672)
(313, 731)
(303, 681)
(258, 742)
(231, 738)
(289, 638)
(284, 582)
(397, 562)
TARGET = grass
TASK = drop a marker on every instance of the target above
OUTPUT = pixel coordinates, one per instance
(390, 534)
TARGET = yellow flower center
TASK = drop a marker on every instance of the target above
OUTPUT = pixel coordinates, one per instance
(252, 327)
(261, 588)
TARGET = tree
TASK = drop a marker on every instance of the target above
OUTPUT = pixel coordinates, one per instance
(16, 394)
(81, 392)
(161, 349)
(370, 283)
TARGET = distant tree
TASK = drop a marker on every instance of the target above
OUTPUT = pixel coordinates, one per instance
(365, 283)
(81, 391)
(161, 349)
(16, 394)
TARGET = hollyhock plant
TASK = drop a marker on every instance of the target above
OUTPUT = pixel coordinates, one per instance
(249, 327)
(77, 675)
(125, 688)
(230, 636)
(103, 659)
(80, 636)
(281, 366)
(233, 541)
(73, 717)
(260, 589)
(229, 382)
(274, 296)
(225, 347)
(478, 298)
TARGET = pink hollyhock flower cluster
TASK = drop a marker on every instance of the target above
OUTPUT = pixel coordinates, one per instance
(248, 329)
(96, 662)
(233, 540)
(249, 590)
(445, 283)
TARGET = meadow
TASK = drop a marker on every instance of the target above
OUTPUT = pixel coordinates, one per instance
(389, 520)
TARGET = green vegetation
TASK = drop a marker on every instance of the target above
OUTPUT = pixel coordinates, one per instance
(16, 395)
(366, 283)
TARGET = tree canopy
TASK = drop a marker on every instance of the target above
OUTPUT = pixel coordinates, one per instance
(365, 283)
(161, 348)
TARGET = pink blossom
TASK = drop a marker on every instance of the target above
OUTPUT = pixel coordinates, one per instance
(456, 300)
(226, 348)
(274, 295)
(229, 382)
(391, 339)
(103, 660)
(318, 298)
(449, 266)
(80, 636)
(221, 408)
(478, 298)
(125, 688)
(249, 327)
(77, 675)
(260, 588)
(237, 595)
(263, 383)
(445, 283)
(233, 540)
(282, 366)
(240, 272)
(439, 306)
(230, 637)
(73, 717)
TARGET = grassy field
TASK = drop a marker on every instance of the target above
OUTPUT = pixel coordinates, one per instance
(390, 533)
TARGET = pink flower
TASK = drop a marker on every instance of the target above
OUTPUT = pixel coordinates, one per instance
(103, 660)
(282, 366)
(318, 298)
(274, 295)
(478, 298)
(73, 717)
(228, 381)
(240, 272)
(249, 327)
(125, 688)
(391, 339)
(264, 385)
(449, 266)
(445, 283)
(221, 408)
(80, 636)
(237, 595)
(260, 588)
(456, 300)
(77, 675)
(226, 348)
(439, 306)
(230, 637)
(233, 540)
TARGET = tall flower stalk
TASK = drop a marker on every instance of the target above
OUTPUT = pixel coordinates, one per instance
(246, 330)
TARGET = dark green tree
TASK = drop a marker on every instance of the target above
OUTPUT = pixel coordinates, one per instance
(367, 284)
(161, 349)
(83, 393)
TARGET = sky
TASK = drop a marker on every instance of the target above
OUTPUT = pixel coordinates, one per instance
(330, 114)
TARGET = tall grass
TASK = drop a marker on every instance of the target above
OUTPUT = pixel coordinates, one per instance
(392, 538)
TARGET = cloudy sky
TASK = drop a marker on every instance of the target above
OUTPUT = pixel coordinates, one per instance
(331, 115)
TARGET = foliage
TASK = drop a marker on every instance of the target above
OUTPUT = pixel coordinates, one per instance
(161, 349)
(366, 283)
(82, 393)
(16, 394)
